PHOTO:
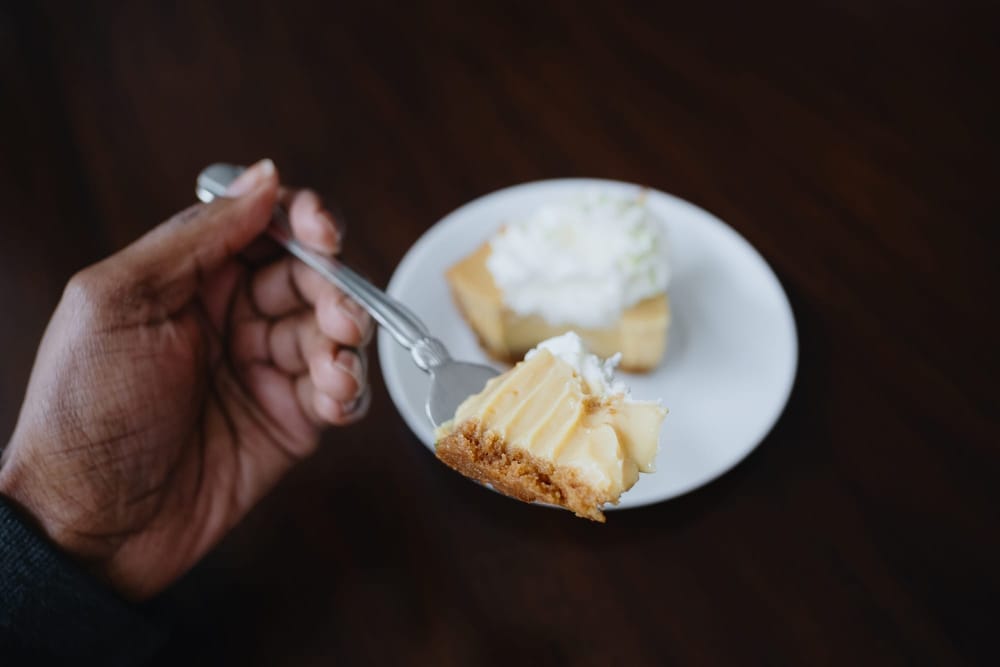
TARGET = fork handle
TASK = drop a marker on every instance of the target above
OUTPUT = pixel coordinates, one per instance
(408, 330)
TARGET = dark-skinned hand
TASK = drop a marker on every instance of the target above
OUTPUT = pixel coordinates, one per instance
(178, 380)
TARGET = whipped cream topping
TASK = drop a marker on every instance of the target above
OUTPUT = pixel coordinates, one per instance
(598, 377)
(581, 261)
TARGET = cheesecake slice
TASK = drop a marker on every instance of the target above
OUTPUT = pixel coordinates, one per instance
(555, 429)
(595, 263)
(639, 335)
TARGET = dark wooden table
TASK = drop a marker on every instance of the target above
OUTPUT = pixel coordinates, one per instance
(853, 143)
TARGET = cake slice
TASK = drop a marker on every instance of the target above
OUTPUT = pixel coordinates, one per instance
(555, 429)
(596, 263)
(639, 335)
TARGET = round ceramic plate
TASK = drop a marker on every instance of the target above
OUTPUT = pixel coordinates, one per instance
(732, 348)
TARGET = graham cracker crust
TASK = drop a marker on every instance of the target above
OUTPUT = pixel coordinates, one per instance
(483, 456)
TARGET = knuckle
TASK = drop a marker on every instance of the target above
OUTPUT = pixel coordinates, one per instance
(194, 211)
(103, 290)
(87, 289)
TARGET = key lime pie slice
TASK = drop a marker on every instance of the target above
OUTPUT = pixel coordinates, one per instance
(556, 428)
(595, 264)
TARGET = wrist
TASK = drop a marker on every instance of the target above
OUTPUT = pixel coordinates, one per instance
(16, 488)
(41, 506)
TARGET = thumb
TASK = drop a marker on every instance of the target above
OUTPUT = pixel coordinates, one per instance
(172, 259)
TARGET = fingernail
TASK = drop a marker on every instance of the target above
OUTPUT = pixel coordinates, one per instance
(250, 179)
(359, 404)
(356, 365)
(335, 224)
(338, 218)
(340, 226)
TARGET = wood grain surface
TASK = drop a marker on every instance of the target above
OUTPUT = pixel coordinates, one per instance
(853, 143)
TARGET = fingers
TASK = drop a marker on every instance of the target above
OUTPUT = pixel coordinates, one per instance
(174, 257)
(322, 410)
(172, 261)
(297, 346)
(341, 390)
(291, 320)
(288, 286)
(299, 407)
(287, 344)
(311, 223)
(334, 388)
(343, 320)
(284, 286)
(341, 376)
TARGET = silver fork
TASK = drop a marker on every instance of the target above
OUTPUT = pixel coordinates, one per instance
(451, 381)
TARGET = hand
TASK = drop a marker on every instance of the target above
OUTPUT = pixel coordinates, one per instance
(178, 381)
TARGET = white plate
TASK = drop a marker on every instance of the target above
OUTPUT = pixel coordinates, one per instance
(731, 354)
